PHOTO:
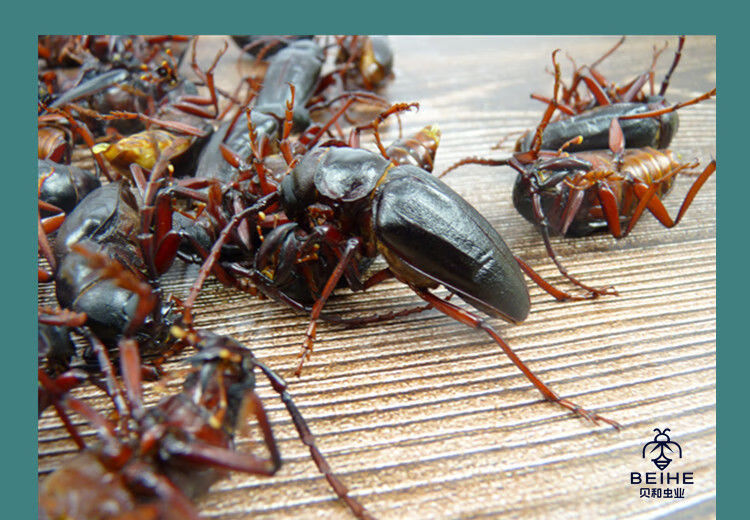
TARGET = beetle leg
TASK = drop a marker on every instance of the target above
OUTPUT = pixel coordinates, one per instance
(61, 317)
(609, 207)
(112, 269)
(551, 289)
(536, 143)
(677, 56)
(52, 391)
(562, 107)
(83, 131)
(644, 196)
(351, 248)
(474, 160)
(113, 387)
(577, 75)
(374, 125)
(653, 113)
(167, 241)
(544, 227)
(595, 88)
(172, 500)
(467, 318)
(130, 369)
(259, 147)
(284, 144)
(655, 205)
(44, 246)
(308, 439)
(196, 452)
(212, 257)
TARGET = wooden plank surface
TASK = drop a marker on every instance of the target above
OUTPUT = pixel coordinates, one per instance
(423, 417)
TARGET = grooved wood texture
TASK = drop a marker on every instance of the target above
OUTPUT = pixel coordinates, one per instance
(423, 417)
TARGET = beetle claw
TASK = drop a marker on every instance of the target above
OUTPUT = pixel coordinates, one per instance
(586, 414)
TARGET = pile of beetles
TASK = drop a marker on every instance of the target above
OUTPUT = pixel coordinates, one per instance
(266, 188)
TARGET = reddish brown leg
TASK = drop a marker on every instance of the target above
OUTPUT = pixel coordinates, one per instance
(474, 160)
(85, 134)
(307, 438)
(562, 107)
(176, 126)
(350, 98)
(130, 369)
(577, 75)
(213, 256)
(394, 109)
(543, 226)
(711, 93)
(64, 317)
(45, 248)
(473, 321)
(53, 391)
(348, 254)
(172, 502)
(657, 209)
(677, 56)
(596, 90)
(536, 143)
(113, 387)
(551, 289)
(284, 145)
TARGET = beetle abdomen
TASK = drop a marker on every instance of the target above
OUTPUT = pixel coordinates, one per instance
(436, 234)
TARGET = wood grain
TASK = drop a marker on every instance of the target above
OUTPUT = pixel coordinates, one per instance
(423, 417)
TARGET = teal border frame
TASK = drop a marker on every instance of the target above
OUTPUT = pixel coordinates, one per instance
(19, 436)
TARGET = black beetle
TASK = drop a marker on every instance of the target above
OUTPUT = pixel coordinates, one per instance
(107, 214)
(593, 126)
(107, 222)
(372, 206)
(64, 186)
(646, 120)
(267, 45)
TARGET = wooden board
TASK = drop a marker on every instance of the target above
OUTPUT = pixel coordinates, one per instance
(423, 417)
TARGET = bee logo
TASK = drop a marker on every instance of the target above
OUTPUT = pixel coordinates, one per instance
(662, 443)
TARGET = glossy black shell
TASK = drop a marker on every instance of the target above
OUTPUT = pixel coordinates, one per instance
(593, 125)
(66, 186)
(333, 176)
(441, 236)
(298, 64)
(423, 228)
(107, 214)
(555, 197)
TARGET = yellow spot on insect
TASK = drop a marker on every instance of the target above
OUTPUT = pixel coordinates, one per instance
(433, 131)
(261, 215)
(214, 422)
(99, 148)
(177, 332)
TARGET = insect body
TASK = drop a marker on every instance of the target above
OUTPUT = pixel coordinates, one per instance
(406, 214)
(646, 120)
(64, 186)
(596, 191)
(603, 190)
(155, 461)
